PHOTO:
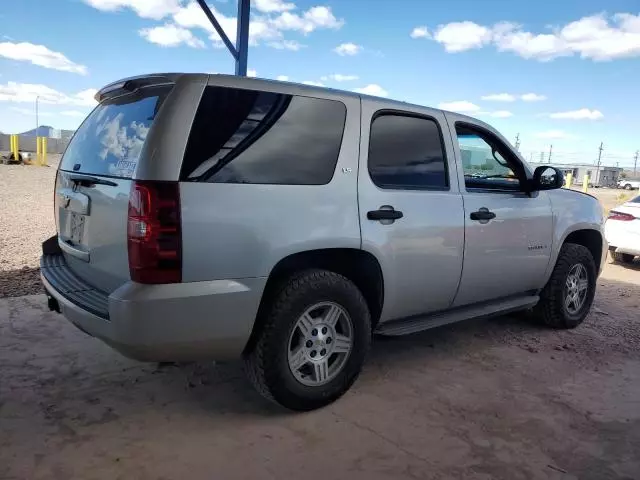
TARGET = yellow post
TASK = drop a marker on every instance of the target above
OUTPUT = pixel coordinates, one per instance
(569, 179)
(43, 151)
(585, 184)
(16, 147)
(38, 152)
(11, 143)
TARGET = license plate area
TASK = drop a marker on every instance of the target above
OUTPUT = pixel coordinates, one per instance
(76, 227)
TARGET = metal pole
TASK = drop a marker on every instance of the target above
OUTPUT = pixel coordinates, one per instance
(37, 122)
(597, 179)
(550, 150)
(635, 163)
(517, 142)
(242, 37)
(216, 25)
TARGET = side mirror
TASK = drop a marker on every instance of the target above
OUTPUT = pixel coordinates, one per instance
(547, 178)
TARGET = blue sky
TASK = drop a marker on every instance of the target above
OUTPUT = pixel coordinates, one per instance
(565, 73)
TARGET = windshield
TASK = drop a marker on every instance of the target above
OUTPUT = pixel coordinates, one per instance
(110, 140)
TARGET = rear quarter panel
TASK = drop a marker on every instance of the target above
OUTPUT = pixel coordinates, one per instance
(573, 211)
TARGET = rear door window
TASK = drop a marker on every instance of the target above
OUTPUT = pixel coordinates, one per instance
(248, 136)
(110, 140)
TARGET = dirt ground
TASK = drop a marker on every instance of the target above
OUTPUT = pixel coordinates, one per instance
(492, 399)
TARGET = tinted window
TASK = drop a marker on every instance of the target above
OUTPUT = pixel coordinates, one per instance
(246, 136)
(485, 163)
(110, 140)
(406, 152)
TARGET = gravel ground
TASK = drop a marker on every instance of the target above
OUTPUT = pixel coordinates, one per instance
(26, 217)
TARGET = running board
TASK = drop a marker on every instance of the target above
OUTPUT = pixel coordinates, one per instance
(415, 324)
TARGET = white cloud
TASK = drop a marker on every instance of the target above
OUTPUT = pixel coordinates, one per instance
(461, 36)
(169, 35)
(27, 93)
(501, 114)
(266, 27)
(596, 37)
(339, 77)
(532, 97)
(41, 56)
(459, 106)
(287, 45)
(73, 113)
(270, 6)
(154, 9)
(348, 49)
(282, 78)
(312, 19)
(313, 83)
(372, 89)
(582, 114)
(499, 97)
(554, 135)
(251, 73)
(420, 32)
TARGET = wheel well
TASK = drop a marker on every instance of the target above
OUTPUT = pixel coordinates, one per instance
(591, 239)
(361, 267)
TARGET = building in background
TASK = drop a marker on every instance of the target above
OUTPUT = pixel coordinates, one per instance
(604, 176)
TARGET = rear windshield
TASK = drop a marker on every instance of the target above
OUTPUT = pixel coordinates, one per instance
(110, 140)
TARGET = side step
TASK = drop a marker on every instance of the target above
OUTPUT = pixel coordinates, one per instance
(415, 324)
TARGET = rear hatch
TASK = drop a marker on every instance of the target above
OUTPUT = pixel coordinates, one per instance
(94, 181)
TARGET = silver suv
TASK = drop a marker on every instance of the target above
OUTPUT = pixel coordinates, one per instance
(214, 217)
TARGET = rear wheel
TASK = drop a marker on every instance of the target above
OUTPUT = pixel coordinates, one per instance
(315, 335)
(628, 186)
(622, 257)
(566, 299)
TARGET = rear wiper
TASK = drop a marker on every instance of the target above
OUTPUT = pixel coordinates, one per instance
(87, 180)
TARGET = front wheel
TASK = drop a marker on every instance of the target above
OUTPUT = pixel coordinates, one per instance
(628, 186)
(566, 299)
(315, 335)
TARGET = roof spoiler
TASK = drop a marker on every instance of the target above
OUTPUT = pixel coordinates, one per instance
(133, 83)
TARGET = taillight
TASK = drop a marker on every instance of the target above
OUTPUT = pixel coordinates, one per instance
(625, 217)
(154, 234)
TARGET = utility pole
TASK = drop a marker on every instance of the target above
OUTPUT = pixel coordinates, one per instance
(597, 179)
(518, 142)
(635, 162)
(550, 150)
(37, 122)
(531, 157)
(541, 157)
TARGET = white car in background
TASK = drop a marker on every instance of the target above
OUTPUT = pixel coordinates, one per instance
(622, 230)
(629, 184)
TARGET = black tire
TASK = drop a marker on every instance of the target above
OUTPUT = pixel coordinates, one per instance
(628, 186)
(551, 309)
(622, 257)
(267, 364)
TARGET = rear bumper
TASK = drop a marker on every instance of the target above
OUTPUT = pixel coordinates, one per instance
(174, 322)
(621, 239)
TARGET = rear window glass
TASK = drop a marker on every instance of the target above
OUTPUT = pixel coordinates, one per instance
(248, 136)
(110, 140)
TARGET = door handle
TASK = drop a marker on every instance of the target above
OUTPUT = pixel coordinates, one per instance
(384, 214)
(483, 215)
